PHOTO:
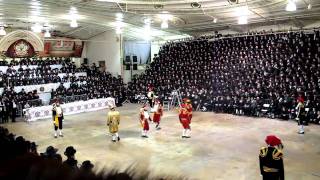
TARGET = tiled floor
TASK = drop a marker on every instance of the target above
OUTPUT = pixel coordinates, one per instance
(222, 146)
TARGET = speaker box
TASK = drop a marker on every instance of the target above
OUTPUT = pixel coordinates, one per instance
(128, 67)
(135, 67)
(128, 60)
(85, 60)
(134, 59)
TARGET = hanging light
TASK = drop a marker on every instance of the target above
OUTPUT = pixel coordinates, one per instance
(2, 31)
(215, 20)
(243, 20)
(291, 6)
(36, 28)
(74, 23)
(309, 6)
(118, 30)
(47, 34)
(164, 25)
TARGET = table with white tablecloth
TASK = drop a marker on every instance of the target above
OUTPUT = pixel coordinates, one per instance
(43, 112)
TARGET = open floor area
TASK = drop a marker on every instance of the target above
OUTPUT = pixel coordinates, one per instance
(222, 146)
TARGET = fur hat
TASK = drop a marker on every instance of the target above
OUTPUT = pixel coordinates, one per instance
(273, 140)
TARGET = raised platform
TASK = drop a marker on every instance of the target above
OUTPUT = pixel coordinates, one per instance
(222, 146)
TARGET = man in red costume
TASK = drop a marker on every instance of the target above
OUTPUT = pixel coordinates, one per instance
(144, 117)
(157, 114)
(189, 108)
(185, 121)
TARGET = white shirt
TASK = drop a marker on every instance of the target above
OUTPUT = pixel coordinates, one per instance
(146, 114)
(59, 110)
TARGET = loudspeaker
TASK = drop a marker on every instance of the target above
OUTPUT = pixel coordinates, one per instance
(128, 60)
(85, 60)
(134, 59)
(128, 67)
(135, 67)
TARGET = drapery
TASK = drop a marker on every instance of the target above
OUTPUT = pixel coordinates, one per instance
(141, 49)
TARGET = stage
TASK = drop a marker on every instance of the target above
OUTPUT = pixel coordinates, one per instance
(222, 146)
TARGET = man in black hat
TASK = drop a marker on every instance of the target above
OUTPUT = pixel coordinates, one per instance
(71, 162)
(51, 153)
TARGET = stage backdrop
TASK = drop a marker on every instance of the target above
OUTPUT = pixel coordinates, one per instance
(20, 48)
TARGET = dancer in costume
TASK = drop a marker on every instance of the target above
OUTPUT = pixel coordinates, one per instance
(158, 108)
(270, 158)
(185, 121)
(144, 117)
(57, 114)
(113, 123)
(301, 114)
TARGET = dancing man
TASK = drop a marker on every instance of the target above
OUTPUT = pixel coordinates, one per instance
(157, 114)
(144, 117)
(270, 158)
(185, 121)
(189, 108)
(150, 96)
(113, 123)
(57, 114)
(300, 114)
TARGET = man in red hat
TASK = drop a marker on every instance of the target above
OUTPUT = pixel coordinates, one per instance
(270, 158)
(301, 114)
(185, 121)
(144, 117)
(157, 114)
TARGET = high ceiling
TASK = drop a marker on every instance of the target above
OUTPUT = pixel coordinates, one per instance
(97, 16)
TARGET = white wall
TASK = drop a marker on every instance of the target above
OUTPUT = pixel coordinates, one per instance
(105, 47)
(155, 47)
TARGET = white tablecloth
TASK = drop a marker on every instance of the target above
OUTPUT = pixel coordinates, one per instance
(4, 68)
(43, 112)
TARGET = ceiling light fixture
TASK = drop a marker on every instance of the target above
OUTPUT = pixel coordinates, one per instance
(119, 16)
(309, 6)
(74, 23)
(36, 28)
(47, 34)
(164, 25)
(215, 20)
(118, 30)
(243, 20)
(291, 6)
(2, 31)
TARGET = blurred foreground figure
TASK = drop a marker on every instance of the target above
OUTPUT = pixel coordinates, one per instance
(270, 158)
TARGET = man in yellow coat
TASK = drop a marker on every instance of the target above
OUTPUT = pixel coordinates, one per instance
(113, 123)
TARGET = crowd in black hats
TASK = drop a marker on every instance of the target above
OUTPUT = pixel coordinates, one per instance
(239, 74)
(96, 84)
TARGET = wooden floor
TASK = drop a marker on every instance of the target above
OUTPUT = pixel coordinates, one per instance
(222, 146)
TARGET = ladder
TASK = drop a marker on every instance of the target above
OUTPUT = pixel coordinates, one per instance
(176, 99)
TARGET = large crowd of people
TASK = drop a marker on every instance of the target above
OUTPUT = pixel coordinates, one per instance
(239, 74)
(94, 84)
